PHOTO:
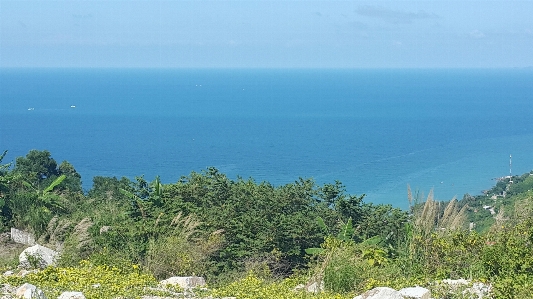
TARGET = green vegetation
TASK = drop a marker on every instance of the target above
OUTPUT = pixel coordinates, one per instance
(94, 281)
(255, 240)
(509, 200)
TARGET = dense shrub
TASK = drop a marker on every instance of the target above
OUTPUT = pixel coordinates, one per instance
(207, 224)
(252, 287)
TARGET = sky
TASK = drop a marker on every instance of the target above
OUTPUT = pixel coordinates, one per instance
(266, 34)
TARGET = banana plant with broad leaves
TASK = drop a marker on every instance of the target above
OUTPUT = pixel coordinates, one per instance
(47, 198)
(144, 197)
(30, 208)
(331, 241)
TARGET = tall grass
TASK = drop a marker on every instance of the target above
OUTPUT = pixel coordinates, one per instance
(183, 251)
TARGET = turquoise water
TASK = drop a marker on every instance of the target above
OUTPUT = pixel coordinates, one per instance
(374, 130)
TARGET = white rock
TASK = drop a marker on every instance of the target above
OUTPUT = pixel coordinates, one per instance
(456, 282)
(185, 282)
(7, 289)
(415, 293)
(24, 272)
(315, 287)
(299, 287)
(44, 256)
(478, 290)
(29, 291)
(105, 229)
(8, 273)
(22, 237)
(380, 293)
(71, 295)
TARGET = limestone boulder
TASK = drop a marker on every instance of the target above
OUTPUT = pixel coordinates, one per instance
(29, 291)
(415, 293)
(456, 283)
(24, 272)
(7, 290)
(185, 282)
(8, 273)
(37, 256)
(380, 293)
(477, 290)
(71, 295)
(315, 287)
(22, 237)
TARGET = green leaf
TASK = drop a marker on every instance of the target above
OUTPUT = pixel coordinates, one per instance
(157, 186)
(128, 194)
(346, 232)
(55, 183)
(314, 250)
(372, 241)
(27, 185)
(322, 224)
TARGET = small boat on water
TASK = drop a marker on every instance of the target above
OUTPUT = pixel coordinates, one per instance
(72, 106)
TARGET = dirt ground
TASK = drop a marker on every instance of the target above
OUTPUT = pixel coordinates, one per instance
(9, 251)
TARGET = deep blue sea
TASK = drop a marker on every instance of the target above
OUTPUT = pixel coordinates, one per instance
(374, 130)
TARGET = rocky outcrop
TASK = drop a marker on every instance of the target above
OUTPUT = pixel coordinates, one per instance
(184, 282)
(6, 291)
(22, 237)
(37, 257)
(460, 287)
(189, 287)
(381, 293)
(71, 295)
(476, 290)
(415, 293)
(29, 291)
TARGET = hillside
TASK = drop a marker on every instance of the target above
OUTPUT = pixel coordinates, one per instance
(510, 199)
(233, 232)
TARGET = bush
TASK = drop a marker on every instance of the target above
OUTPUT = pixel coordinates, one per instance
(97, 282)
(345, 270)
(182, 250)
(252, 287)
(173, 256)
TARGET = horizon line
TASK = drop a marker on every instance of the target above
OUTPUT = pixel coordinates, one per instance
(263, 68)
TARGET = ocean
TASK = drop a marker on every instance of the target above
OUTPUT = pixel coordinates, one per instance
(376, 131)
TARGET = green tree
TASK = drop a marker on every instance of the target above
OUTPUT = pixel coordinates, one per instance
(382, 220)
(37, 166)
(33, 208)
(37, 190)
(4, 179)
(261, 222)
(108, 188)
(40, 170)
(72, 180)
(521, 186)
(4, 190)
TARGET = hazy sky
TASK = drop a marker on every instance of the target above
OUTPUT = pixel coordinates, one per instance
(315, 34)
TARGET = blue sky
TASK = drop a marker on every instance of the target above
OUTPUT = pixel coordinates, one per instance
(266, 34)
